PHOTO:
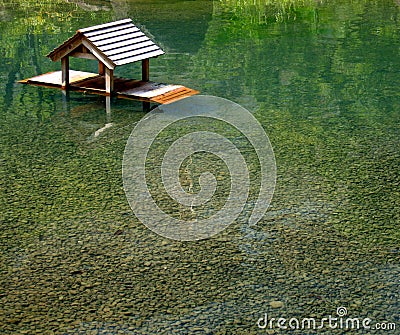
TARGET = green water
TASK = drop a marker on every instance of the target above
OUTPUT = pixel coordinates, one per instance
(323, 80)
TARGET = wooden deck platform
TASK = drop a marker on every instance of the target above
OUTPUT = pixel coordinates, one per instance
(146, 91)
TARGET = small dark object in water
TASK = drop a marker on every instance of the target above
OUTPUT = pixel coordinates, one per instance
(118, 232)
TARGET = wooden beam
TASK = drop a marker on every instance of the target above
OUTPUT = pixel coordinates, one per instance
(145, 69)
(84, 55)
(66, 48)
(98, 54)
(102, 70)
(146, 106)
(65, 72)
(109, 81)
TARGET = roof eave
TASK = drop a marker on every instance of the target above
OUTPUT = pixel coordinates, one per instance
(72, 43)
(65, 47)
(126, 56)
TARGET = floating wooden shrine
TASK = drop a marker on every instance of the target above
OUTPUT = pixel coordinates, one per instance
(111, 44)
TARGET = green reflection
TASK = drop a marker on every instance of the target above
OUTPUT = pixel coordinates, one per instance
(320, 76)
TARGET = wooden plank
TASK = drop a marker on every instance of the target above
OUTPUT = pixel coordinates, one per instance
(84, 55)
(158, 93)
(123, 88)
(129, 54)
(168, 98)
(63, 50)
(174, 95)
(105, 25)
(113, 34)
(139, 57)
(169, 95)
(78, 76)
(131, 45)
(108, 30)
(100, 56)
(121, 44)
(113, 53)
(175, 98)
(109, 41)
(96, 83)
(55, 78)
(150, 89)
(50, 78)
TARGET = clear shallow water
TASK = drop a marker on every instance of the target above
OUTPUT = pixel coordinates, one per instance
(323, 81)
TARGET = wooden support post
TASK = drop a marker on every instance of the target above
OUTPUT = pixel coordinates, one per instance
(64, 72)
(109, 81)
(102, 70)
(146, 106)
(145, 69)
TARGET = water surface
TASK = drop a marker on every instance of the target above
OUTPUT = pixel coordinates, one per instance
(321, 77)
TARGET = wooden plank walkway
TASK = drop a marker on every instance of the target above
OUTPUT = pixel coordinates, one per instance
(146, 91)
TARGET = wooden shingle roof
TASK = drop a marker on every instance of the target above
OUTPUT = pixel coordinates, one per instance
(115, 43)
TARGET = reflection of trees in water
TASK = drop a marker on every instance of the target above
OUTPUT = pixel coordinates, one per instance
(229, 51)
(323, 81)
(329, 59)
(91, 5)
(120, 9)
(178, 26)
(31, 30)
(267, 11)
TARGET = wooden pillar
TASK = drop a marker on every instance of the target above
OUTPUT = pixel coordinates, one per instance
(145, 69)
(101, 69)
(64, 72)
(109, 81)
(146, 106)
(146, 77)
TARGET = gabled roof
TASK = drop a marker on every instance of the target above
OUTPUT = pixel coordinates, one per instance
(115, 43)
